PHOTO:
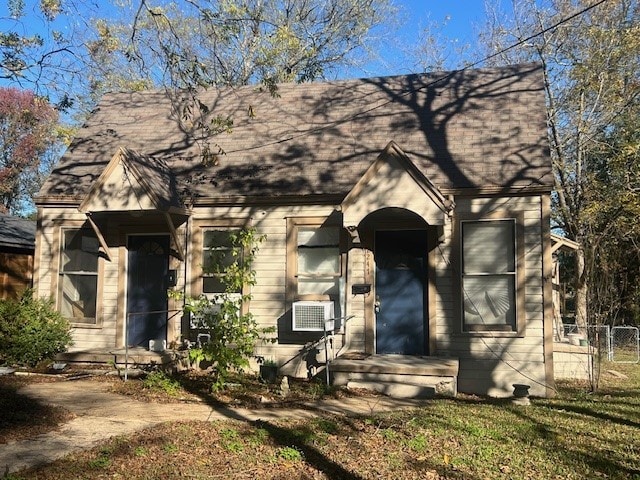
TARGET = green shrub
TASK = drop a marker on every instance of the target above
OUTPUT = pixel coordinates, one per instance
(31, 330)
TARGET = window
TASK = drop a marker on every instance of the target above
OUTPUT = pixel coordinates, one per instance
(78, 285)
(488, 272)
(318, 259)
(217, 255)
(314, 262)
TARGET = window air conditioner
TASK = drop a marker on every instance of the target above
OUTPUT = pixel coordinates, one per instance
(311, 316)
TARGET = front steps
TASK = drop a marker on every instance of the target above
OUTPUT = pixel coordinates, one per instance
(119, 357)
(399, 376)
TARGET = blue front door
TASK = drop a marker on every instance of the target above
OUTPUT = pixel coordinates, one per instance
(148, 267)
(401, 279)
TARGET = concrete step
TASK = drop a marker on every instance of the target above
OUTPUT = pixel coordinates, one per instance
(395, 390)
(423, 376)
(135, 356)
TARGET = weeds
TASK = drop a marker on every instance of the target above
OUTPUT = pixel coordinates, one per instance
(170, 448)
(418, 443)
(571, 437)
(161, 382)
(290, 454)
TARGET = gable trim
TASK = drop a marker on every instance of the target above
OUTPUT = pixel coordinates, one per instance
(393, 151)
(562, 243)
(174, 236)
(127, 156)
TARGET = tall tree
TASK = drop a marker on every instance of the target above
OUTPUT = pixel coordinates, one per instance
(231, 42)
(28, 135)
(611, 213)
(589, 51)
(37, 48)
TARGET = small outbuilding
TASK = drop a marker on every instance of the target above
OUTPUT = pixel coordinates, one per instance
(17, 245)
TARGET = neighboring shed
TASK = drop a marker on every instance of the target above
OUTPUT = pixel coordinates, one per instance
(17, 244)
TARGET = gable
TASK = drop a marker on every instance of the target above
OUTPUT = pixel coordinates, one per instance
(393, 181)
(129, 184)
(118, 191)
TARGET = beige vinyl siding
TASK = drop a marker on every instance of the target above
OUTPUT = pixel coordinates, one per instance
(268, 296)
(490, 361)
(356, 274)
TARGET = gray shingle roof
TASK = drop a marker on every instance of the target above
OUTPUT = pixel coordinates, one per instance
(17, 232)
(467, 129)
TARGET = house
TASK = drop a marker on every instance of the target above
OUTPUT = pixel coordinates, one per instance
(17, 244)
(415, 209)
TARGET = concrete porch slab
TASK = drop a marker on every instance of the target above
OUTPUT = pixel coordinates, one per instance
(400, 376)
(119, 356)
(397, 364)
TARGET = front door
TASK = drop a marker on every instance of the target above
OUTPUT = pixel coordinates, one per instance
(148, 267)
(401, 278)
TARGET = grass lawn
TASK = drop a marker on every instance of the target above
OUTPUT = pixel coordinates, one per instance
(573, 436)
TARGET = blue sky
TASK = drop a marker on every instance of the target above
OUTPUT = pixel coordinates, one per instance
(459, 20)
(461, 14)
(460, 17)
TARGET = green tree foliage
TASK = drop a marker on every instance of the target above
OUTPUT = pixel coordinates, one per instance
(31, 330)
(36, 48)
(589, 52)
(233, 330)
(29, 134)
(611, 219)
(231, 42)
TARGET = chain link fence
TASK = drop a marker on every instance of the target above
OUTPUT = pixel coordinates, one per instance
(619, 344)
(625, 344)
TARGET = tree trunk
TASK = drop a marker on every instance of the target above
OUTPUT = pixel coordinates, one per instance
(581, 291)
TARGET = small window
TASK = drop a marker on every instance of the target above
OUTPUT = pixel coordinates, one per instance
(489, 275)
(318, 261)
(78, 285)
(218, 252)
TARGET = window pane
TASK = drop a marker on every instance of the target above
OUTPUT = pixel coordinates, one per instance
(217, 251)
(318, 260)
(217, 256)
(78, 297)
(313, 286)
(217, 238)
(80, 251)
(214, 261)
(325, 260)
(488, 247)
(319, 236)
(489, 300)
(213, 284)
